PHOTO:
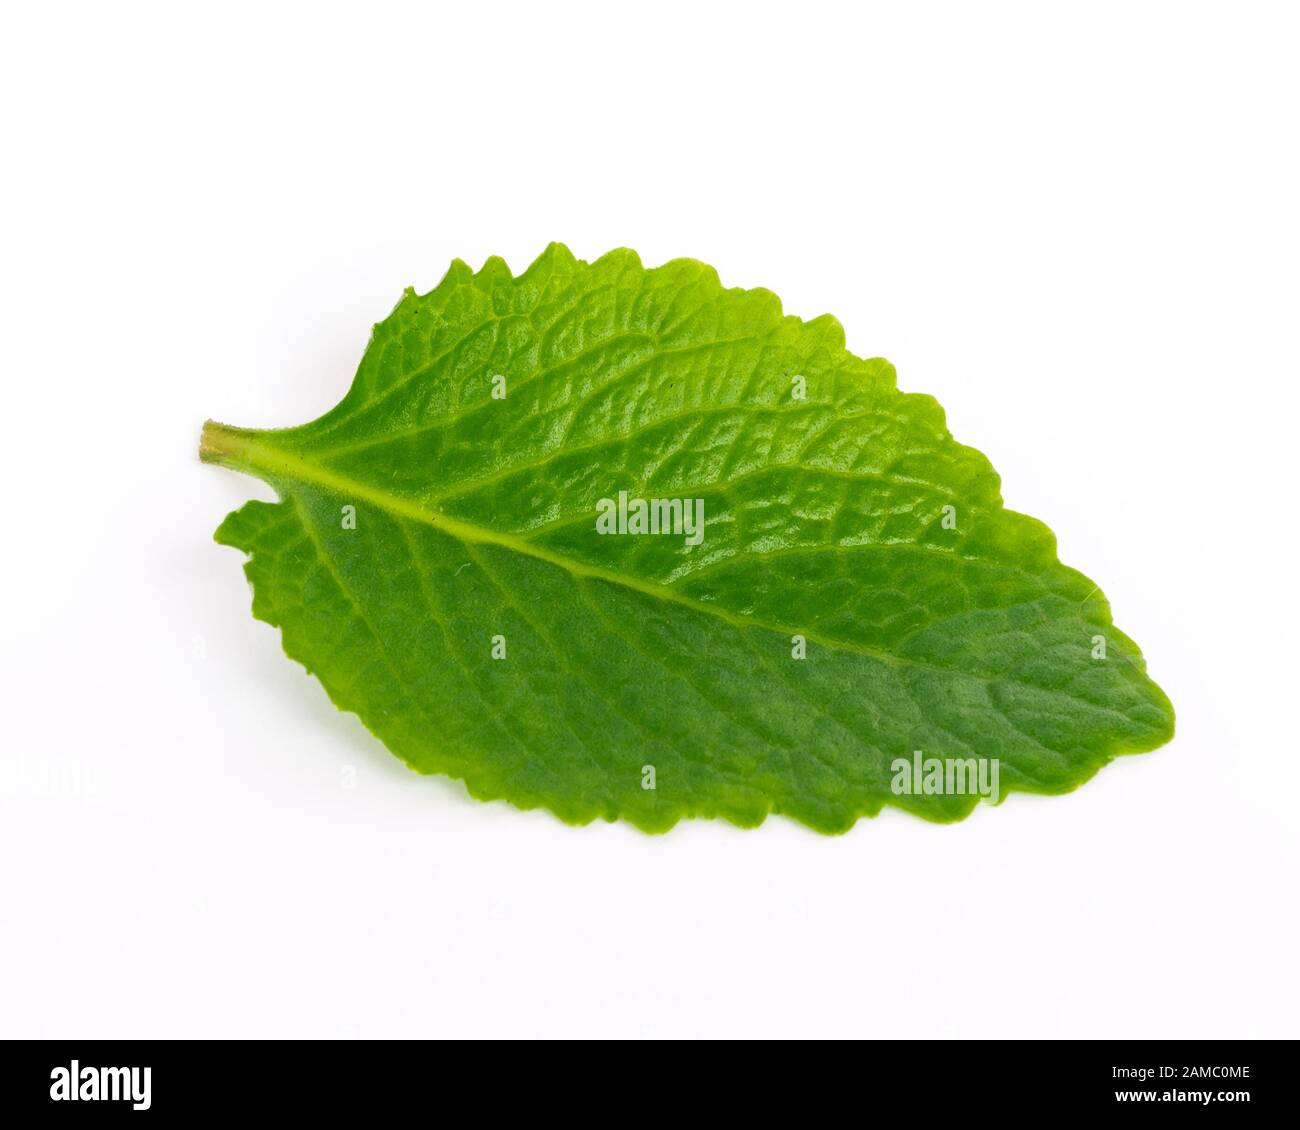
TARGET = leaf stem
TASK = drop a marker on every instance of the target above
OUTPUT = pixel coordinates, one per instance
(225, 445)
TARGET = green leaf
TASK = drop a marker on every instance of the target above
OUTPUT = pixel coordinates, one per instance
(435, 560)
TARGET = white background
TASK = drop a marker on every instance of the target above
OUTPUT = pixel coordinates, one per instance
(1076, 226)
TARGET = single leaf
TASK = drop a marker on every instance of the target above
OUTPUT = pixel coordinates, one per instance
(858, 594)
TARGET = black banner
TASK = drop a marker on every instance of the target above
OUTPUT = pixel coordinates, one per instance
(142, 1079)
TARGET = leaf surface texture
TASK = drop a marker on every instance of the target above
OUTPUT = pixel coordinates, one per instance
(933, 618)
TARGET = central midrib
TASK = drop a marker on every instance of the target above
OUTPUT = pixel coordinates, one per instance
(234, 447)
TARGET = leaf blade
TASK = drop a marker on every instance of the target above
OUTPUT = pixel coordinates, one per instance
(474, 514)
